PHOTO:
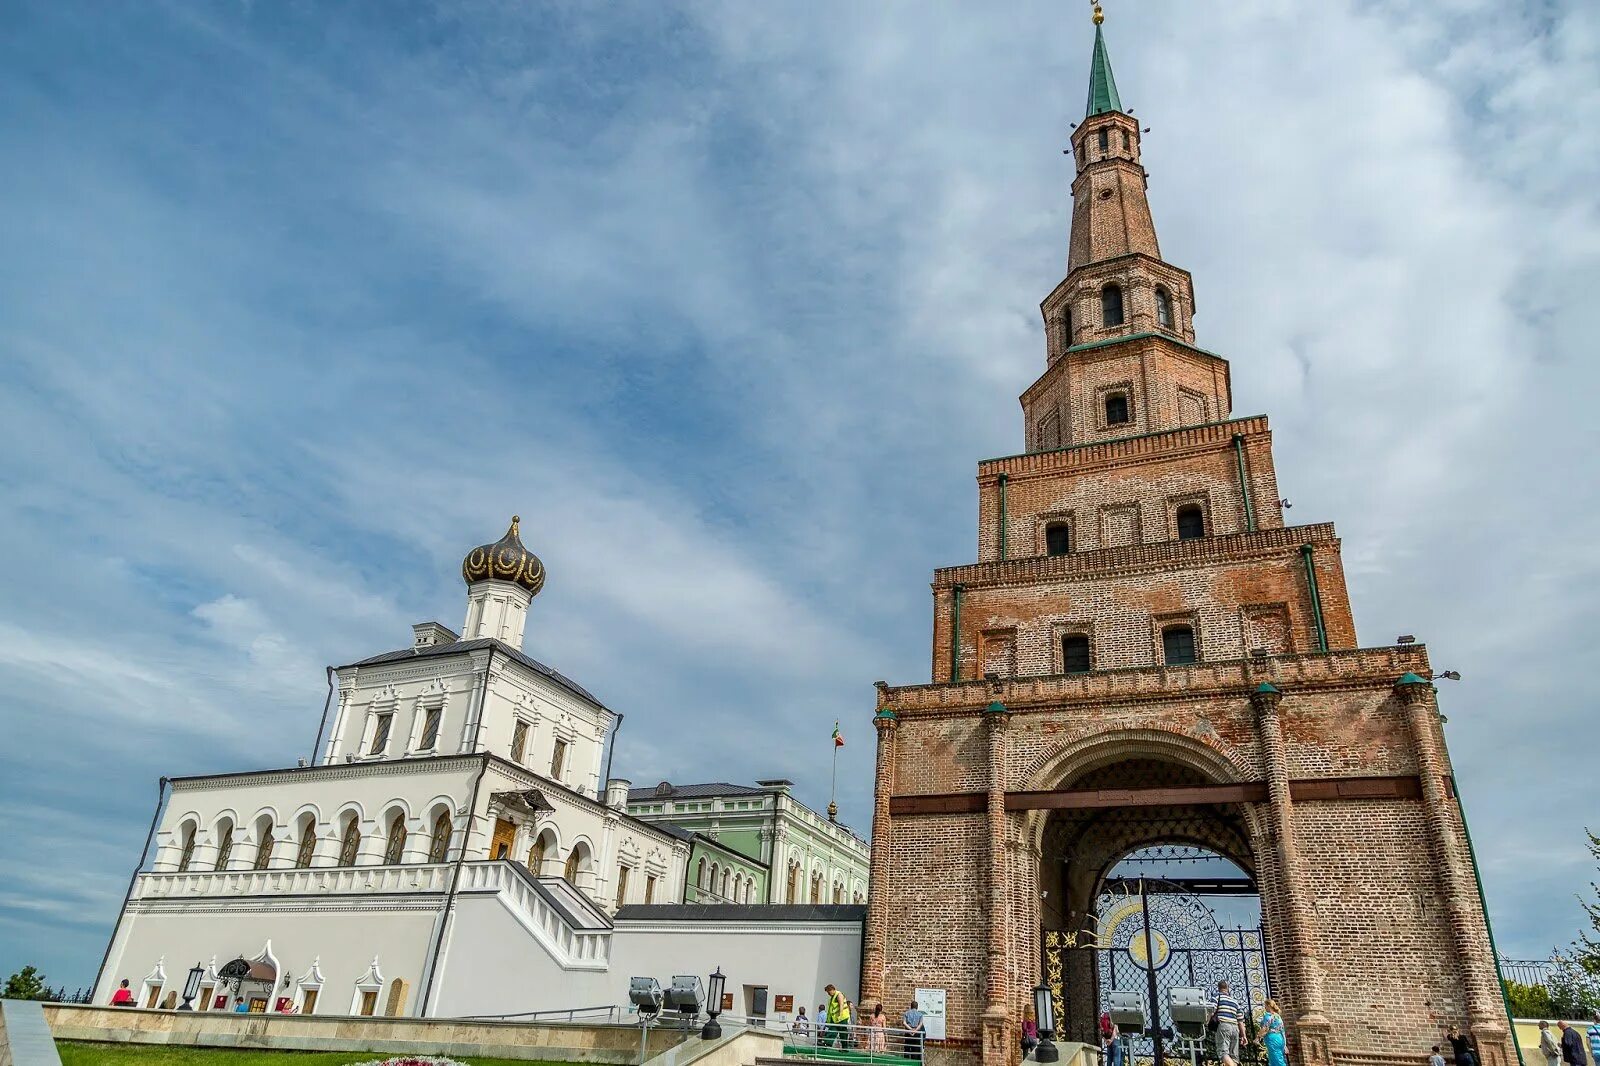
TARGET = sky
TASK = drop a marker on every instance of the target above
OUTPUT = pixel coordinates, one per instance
(299, 301)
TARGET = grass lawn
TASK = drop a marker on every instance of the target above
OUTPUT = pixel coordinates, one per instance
(74, 1053)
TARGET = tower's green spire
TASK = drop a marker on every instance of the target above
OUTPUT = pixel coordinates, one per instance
(1102, 83)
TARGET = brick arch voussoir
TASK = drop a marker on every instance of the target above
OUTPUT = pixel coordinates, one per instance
(1074, 753)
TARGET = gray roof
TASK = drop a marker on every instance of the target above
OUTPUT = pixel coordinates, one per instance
(740, 912)
(463, 646)
(706, 790)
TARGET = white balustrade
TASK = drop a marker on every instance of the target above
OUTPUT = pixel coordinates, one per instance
(572, 948)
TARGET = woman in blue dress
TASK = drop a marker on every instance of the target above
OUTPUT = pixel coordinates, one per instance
(1270, 1035)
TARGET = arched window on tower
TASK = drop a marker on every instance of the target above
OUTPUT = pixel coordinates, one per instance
(439, 846)
(1191, 522)
(1057, 538)
(1111, 305)
(308, 842)
(224, 843)
(350, 842)
(186, 856)
(1163, 309)
(700, 874)
(1105, 140)
(1177, 645)
(264, 842)
(395, 848)
(1075, 654)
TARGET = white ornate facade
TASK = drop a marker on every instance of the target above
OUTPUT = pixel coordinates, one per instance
(453, 848)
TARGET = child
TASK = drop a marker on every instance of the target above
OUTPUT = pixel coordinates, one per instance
(1436, 1059)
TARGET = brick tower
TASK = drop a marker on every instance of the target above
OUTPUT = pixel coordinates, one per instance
(1143, 654)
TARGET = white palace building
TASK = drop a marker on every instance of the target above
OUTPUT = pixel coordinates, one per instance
(459, 850)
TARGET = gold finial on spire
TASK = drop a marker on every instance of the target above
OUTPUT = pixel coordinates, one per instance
(1099, 16)
(516, 520)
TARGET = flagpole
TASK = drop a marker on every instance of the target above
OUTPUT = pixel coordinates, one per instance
(833, 788)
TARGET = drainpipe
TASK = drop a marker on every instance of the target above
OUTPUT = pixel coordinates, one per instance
(161, 801)
(455, 881)
(611, 752)
(466, 838)
(1316, 598)
(324, 723)
(1483, 901)
(1002, 516)
(1244, 483)
(955, 633)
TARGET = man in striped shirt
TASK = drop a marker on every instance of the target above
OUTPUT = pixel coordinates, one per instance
(1226, 1014)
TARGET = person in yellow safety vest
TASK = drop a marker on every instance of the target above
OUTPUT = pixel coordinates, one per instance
(838, 1017)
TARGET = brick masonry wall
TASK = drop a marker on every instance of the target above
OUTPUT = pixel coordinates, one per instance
(1391, 972)
(1167, 386)
(1154, 482)
(1014, 615)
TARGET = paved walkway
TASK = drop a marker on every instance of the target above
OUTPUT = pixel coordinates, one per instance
(25, 1039)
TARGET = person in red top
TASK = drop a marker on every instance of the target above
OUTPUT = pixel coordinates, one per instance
(123, 996)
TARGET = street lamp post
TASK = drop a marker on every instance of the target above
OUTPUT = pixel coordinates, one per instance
(713, 1005)
(191, 987)
(1044, 1011)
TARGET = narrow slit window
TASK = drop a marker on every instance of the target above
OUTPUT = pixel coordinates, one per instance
(1057, 538)
(430, 728)
(1111, 305)
(558, 759)
(1191, 522)
(394, 850)
(622, 886)
(1105, 140)
(308, 844)
(350, 843)
(519, 741)
(224, 844)
(1117, 409)
(1075, 654)
(1163, 309)
(1177, 645)
(380, 734)
(187, 855)
(439, 846)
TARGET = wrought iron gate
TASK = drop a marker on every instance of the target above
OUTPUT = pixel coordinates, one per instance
(1150, 936)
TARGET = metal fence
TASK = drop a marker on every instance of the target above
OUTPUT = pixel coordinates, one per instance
(1527, 971)
(853, 1043)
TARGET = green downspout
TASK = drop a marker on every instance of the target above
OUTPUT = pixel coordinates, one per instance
(1002, 516)
(1244, 485)
(955, 633)
(1316, 597)
(1483, 901)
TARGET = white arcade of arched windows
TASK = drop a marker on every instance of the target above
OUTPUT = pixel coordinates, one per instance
(348, 837)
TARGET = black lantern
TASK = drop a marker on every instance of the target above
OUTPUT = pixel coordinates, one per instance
(191, 987)
(1044, 1010)
(713, 1005)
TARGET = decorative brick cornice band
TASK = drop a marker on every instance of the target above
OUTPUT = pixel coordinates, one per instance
(1307, 789)
(1166, 555)
(1356, 669)
(1077, 456)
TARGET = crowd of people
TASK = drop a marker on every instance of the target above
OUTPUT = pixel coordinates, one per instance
(833, 1026)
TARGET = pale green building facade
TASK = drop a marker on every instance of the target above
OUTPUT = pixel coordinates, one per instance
(757, 844)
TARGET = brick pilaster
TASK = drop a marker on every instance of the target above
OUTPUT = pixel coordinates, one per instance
(877, 931)
(1311, 1025)
(1485, 1009)
(997, 1042)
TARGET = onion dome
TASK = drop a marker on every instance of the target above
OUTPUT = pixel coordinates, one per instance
(504, 560)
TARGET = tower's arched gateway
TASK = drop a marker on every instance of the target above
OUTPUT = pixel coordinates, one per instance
(1145, 657)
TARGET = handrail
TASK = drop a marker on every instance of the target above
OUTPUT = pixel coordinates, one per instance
(571, 1014)
(877, 1043)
